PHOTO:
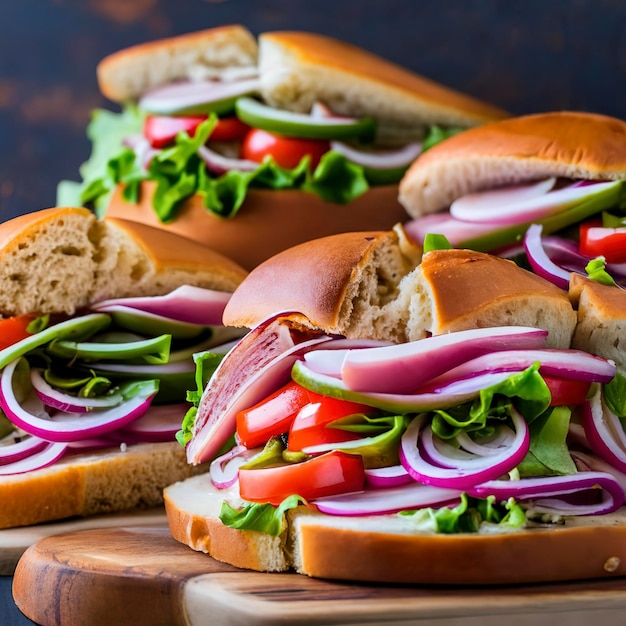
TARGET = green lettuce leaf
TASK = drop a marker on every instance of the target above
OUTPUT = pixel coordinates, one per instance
(596, 271)
(468, 516)
(263, 518)
(436, 242)
(437, 134)
(615, 395)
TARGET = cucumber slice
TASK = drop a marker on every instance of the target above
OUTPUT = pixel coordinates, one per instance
(259, 115)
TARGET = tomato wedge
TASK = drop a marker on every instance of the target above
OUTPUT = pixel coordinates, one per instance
(597, 240)
(566, 392)
(287, 151)
(271, 417)
(325, 475)
(310, 426)
(161, 130)
(13, 329)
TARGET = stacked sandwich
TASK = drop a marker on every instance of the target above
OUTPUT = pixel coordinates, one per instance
(289, 138)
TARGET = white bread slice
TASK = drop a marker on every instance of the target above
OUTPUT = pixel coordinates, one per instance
(127, 74)
(299, 68)
(370, 287)
(567, 144)
(388, 549)
(59, 260)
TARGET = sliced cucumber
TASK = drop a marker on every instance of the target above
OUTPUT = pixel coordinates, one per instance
(259, 115)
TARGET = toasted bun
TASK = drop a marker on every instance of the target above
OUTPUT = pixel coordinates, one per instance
(268, 222)
(601, 327)
(388, 549)
(127, 74)
(61, 259)
(363, 285)
(88, 484)
(298, 68)
(566, 144)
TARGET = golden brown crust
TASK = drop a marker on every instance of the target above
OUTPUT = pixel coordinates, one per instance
(269, 221)
(309, 49)
(145, 58)
(311, 278)
(489, 285)
(567, 144)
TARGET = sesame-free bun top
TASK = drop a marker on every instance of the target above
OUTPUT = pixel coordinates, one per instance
(565, 144)
(61, 259)
(127, 74)
(369, 285)
(298, 68)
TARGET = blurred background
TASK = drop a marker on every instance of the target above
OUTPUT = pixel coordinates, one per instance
(524, 56)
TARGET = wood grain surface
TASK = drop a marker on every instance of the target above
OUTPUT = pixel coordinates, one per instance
(140, 575)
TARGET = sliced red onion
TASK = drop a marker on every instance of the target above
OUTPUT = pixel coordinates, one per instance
(144, 152)
(184, 95)
(11, 452)
(159, 423)
(22, 406)
(456, 231)
(193, 305)
(569, 364)
(219, 164)
(224, 470)
(541, 263)
(462, 474)
(542, 493)
(258, 365)
(504, 206)
(405, 367)
(392, 500)
(604, 431)
(61, 401)
(379, 159)
(384, 477)
(41, 458)
(591, 462)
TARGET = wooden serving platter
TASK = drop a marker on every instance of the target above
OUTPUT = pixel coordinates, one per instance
(140, 575)
(14, 541)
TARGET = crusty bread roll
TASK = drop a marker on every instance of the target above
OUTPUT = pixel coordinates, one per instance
(266, 224)
(61, 259)
(386, 548)
(566, 144)
(601, 327)
(298, 68)
(128, 73)
(369, 289)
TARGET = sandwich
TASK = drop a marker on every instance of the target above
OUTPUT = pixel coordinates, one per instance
(548, 187)
(400, 415)
(101, 319)
(254, 146)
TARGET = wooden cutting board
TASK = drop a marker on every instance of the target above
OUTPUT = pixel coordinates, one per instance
(140, 575)
(14, 541)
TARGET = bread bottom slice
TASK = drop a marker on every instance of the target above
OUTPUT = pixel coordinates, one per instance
(103, 481)
(389, 549)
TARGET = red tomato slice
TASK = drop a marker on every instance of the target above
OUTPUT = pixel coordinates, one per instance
(287, 151)
(13, 329)
(271, 417)
(161, 130)
(565, 391)
(325, 475)
(596, 240)
(310, 426)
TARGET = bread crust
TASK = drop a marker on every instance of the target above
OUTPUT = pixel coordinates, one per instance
(386, 549)
(128, 73)
(290, 63)
(565, 144)
(268, 222)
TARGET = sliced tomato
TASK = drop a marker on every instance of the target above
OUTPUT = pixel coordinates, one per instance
(229, 129)
(287, 151)
(325, 475)
(596, 240)
(13, 329)
(565, 391)
(161, 130)
(310, 426)
(271, 417)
